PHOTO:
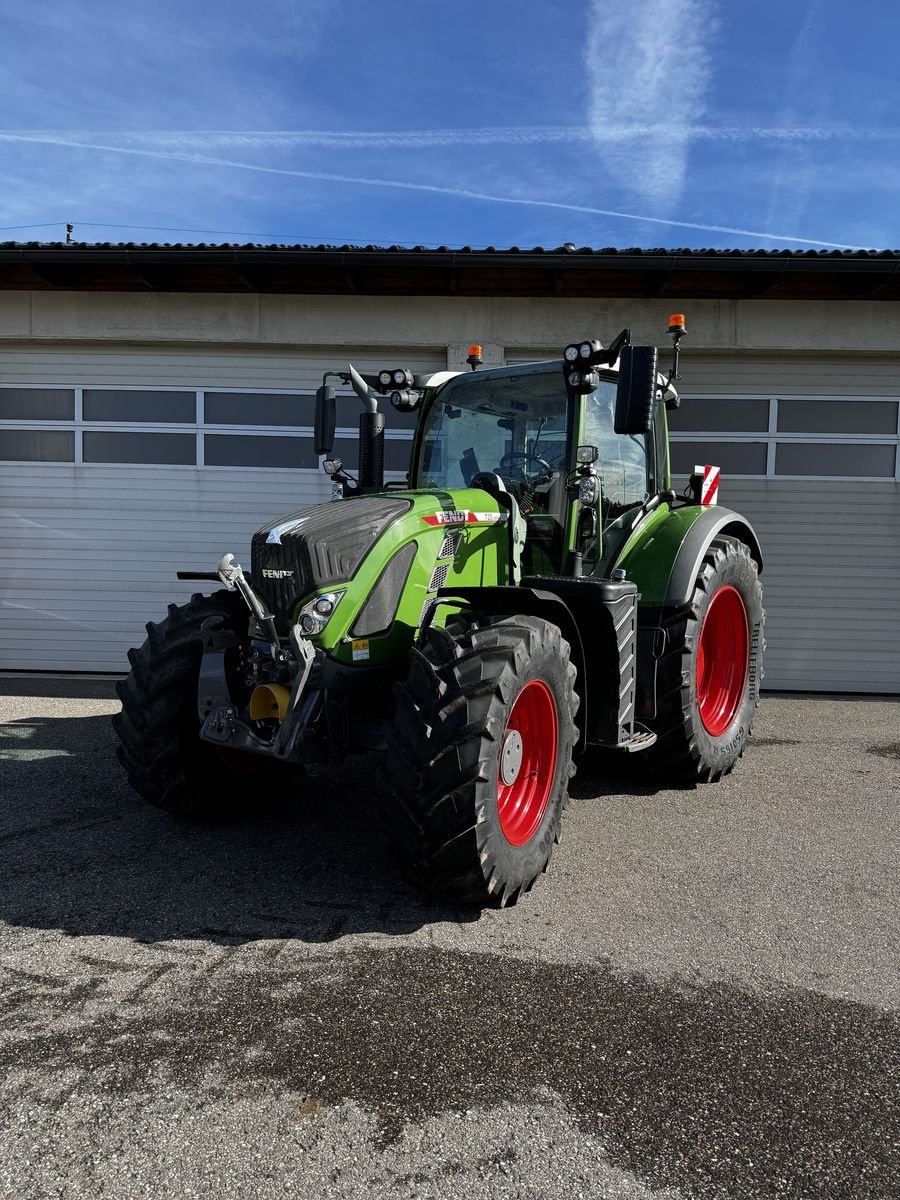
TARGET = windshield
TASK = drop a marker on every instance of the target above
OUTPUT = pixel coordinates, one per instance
(513, 426)
(507, 425)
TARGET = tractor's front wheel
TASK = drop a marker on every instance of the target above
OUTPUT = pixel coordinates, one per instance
(479, 757)
(709, 676)
(158, 728)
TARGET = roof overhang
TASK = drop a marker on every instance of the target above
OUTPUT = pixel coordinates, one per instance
(566, 272)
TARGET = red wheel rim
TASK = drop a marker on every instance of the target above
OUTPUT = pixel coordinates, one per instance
(723, 655)
(527, 762)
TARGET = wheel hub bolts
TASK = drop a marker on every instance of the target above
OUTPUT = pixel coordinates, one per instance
(511, 757)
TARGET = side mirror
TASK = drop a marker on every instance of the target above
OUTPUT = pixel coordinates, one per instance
(326, 419)
(636, 391)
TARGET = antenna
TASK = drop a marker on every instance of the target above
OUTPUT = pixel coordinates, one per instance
(70, 228)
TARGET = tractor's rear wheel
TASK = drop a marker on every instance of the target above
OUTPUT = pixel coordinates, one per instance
(479, 757)
(158, 727)
(709, 676)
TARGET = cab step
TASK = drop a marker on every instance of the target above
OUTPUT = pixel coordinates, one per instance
(641, 739)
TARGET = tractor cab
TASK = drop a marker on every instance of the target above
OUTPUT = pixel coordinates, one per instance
(518, 430)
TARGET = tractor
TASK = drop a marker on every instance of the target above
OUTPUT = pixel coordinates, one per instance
(534, 590)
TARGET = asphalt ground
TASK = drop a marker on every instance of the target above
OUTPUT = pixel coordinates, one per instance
(700, 999)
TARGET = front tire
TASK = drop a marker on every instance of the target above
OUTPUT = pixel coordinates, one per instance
(709, 676)
(479, 758)
(159, 726)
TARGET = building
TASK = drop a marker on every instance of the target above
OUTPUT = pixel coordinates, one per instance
(156, 407)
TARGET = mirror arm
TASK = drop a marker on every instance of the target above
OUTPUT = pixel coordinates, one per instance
(617, 345)
(676, 350)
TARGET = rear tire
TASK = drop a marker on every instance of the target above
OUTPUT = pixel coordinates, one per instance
(158, 727)
(709, 676)
(479, 757)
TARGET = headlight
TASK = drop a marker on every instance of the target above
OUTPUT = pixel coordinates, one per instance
(384, 378)
(402, 377)
(570, 353)
(585, 349)
(316, 613)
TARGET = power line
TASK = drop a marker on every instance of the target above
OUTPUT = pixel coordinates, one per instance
(248, 233)
(296, 237)
(45, 225)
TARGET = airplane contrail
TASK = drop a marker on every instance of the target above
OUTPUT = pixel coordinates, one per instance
(427, 188)
(486, 135)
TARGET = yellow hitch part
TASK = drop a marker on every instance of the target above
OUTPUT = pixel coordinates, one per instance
(269, 700)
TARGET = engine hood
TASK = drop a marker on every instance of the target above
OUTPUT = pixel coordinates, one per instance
(317, 546)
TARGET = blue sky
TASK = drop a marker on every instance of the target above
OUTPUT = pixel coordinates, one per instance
(600, 122)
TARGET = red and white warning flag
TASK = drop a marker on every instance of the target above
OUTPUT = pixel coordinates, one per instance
(709, 491)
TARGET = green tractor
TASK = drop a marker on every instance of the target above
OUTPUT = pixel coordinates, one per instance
(535, 590)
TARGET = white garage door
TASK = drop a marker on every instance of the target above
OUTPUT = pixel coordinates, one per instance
(118, 468)
(810, 453)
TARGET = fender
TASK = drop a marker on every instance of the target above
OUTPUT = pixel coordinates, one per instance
(712, 522)
(533, 602)
(670, 581)
(664, 553)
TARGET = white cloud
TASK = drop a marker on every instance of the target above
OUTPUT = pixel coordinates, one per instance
(646, 60)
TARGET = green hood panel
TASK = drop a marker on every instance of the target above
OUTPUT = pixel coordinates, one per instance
(460, 537)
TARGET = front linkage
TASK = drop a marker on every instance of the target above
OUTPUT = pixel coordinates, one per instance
(294, 709)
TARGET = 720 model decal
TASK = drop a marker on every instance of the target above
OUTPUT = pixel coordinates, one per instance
(464, 517)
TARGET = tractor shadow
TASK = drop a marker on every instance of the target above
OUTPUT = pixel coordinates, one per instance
(607, 773)
(81, 853)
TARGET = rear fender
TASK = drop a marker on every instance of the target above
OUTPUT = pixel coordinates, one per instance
(712, 523)
(665, 564)
(664, 555)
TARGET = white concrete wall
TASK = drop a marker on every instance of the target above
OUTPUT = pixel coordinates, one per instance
(434, 323)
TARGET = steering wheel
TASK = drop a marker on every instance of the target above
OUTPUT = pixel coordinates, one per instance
(519, 459)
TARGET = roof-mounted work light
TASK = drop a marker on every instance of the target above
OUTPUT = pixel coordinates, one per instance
(579, 359)
(405, 399)
(401, 377)
(586, 353)
(582, 381)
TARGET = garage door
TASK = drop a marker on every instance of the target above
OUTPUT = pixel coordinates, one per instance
(810, 452)
(118, 469)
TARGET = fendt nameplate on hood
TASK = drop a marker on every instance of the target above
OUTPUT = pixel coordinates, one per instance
(464, 517)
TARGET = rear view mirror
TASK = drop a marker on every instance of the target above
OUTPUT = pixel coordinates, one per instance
(323, 433)
(636, 390)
